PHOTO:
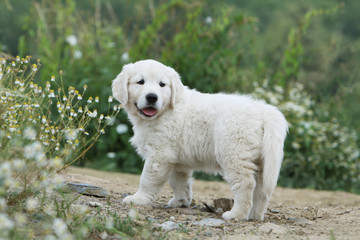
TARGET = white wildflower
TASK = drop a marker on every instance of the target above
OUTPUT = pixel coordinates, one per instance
(77, 54)
(31, 204)
(71, 134)
(103, 235)
(57, 180)
(110, 120)
(121, 128)
(5, 169)
(50, 237)
(59, 227)
(111, 155)
(125, 57)
(72, 40)
(109, 222)
(5, 222)
(51, 94)
(3, 204)
(20, 219)
(30, 133)
(18, 164)
(208, 20)
(33, 150)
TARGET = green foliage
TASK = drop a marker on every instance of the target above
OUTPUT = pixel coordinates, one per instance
(318, 154)
(307, 51)
(43, 129)
(205, 49)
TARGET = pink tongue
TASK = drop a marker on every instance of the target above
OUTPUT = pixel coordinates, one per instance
(149, 111)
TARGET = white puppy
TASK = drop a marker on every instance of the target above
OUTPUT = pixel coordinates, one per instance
(178, 130)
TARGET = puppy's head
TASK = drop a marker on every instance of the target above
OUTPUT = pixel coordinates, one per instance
(147, 88)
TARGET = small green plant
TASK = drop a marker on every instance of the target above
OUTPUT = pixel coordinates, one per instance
(43, 130)
(319, 154)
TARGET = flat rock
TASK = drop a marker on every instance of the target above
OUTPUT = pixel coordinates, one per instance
(94, 204)
(272, 228)
(210, 222)
(224, 203)
(86, 189)
(169, 225)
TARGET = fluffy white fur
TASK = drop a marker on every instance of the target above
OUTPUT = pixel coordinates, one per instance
(185, 130)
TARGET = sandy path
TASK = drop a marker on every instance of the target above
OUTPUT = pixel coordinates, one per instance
(296, 213)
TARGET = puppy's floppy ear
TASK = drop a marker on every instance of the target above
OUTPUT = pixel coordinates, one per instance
(120, 85)
(177, 88)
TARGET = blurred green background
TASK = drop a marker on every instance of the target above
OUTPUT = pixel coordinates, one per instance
(302, 56)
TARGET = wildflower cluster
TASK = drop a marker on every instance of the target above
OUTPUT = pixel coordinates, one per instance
(320, 154)
(43, 129)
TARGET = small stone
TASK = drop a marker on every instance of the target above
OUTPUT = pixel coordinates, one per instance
(124, 195)
(132, 213)
(86, 189)
(210, 222)
(219, 211)
(169, 225)
(225, 203)
(299, 221)
(94, 204)
(274, 211)
(172, 218)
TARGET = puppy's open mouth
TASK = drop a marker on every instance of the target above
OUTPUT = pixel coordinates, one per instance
(148, 111)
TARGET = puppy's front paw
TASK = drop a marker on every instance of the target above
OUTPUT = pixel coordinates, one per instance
(233, 215)
(228, 215)
(174, 202)
(137, 199)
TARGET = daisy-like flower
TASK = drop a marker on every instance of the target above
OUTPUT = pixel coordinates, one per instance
(31, 204)
(125, 57)
(20, 219)
(121, 128)
(110, 99)
(51, 94)
(30, 133)
(52, 78)
(71, 39)
(5, 222)
(90, 100)
(59, 227)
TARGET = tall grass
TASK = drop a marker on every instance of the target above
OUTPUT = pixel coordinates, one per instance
(43, 129)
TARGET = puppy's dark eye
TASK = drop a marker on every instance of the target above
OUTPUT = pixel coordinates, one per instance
(141, 82)
(162, 84)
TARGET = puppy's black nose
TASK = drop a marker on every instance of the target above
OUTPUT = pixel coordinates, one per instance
(151, 97)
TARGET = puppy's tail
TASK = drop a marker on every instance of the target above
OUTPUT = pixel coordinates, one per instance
(275, 129)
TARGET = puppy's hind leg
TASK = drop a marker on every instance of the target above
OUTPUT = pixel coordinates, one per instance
(180, 181)
(242, 182)
(260, 201)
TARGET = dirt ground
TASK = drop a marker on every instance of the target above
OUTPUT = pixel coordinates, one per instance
(292, 213)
